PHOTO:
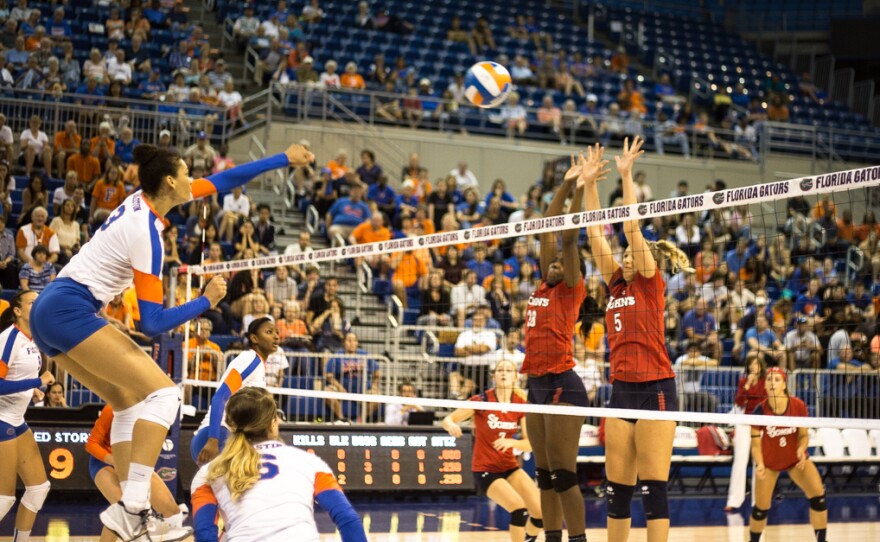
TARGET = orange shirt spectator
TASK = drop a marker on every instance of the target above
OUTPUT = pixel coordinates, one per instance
(507, 284)
(824, 207)
(121, 312)
(409, 268)
(86, 166)
(337, 170)
(777, 112)
(289, 329)
(63, 141)
(442, 250)
(108, 150)
(366, 233)
(845, 231)
(428, 226)
(108, 195)
(706, 264)
(352, 81)
(210, 354)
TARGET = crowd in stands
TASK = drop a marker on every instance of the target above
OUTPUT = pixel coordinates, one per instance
(104, 54)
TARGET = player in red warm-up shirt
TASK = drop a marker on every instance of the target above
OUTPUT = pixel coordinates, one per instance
(749, 394)
(641, 373)
(777, 449)
(494, 463)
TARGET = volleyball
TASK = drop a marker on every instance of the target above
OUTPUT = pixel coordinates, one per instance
(487, 84)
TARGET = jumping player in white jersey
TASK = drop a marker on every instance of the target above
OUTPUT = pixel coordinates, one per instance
(263, 489)
(67, 327)
(19, 366)
(247, 369)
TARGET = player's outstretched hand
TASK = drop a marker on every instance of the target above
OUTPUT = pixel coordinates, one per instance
(575, 170)
(299, 156)
(209, 451)
(503, 444)
(215, 291)
(593, 166)
(452, 428)
(628, 155)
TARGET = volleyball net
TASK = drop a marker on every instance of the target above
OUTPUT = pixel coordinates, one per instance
(783, 275)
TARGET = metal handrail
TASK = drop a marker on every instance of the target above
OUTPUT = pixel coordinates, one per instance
(313, 219)
(394, 318)
(364, 282)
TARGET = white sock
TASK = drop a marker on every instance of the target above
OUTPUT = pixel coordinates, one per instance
(21, 536)
(176, 520)
(137, 490)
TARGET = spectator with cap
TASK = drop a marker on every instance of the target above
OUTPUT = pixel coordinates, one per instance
(219, 76)
(200, 154)
(165, 140)
(802, 346)
(153, 88)
(306, 73)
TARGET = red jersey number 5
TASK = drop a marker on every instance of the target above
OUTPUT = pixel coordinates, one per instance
(618, 325)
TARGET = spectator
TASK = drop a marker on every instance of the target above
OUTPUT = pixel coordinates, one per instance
(764, 341)
(338, 167)
(68, 230)
(330, 79)
(118, 69)
(620, 60)
(514, 116)
(34, 143)
(7, 140)
(736, 257)
(18, 55)
(457, 34)
(347, 213)
(263, 228)
(631, 99)
(67, 143)
(372, 231)
(550, 116)
(845, 362)
(369, 172)
(103, 146)
(808, 89)
(108, 194)
(669, 131)
(352, 371)
(612, 125)
(688, 235)
(201, 154)
(475, 347)
(480, 264)
(410, 272)
(802, 346)
(280, 288)
(95, 67)
(34, 195)
(700, 328)
(312, 13)
(351, 79)
(37, 273)
(219, 76)
(520, 256)
(413, 108)
(245, 27)
(246, 241)
(471, 209)
(388, 105)
(398, 413)
(521, 73)
(689, 368)
(439, 204)
(332, 327)
(721, 104)
(86, 167)
(302, 246)
(319, 298)
(464, 177)
(269, 64)
(466, 296)
(778, 110)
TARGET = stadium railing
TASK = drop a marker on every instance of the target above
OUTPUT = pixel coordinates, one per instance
(820, 143)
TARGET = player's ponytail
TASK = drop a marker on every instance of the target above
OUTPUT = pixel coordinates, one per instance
(8, 317)
(154, 165)
(669, 257)
(250, 413)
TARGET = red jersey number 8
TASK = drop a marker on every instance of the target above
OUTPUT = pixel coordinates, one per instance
(782, 442)
(531, 315)
(618, 325)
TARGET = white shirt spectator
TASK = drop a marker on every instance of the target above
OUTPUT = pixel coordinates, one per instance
(689, 376)
(229, 99)
(242, 205)
(463, 297)
(464, 179)
(838, 341)
(58, 196)
(518, 73)
(36, 141)
(119, 71)
(6, 136)
(270, 29)
(802, 345)
(246, 26)
(280, 291)
(330, 81)
(294, 248)
(6, 79)
(684, 237)
(470, 337)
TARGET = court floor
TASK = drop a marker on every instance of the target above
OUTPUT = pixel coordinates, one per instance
(397, 518)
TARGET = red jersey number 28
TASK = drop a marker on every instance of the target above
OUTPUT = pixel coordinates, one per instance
(530, 317)
(618, 325)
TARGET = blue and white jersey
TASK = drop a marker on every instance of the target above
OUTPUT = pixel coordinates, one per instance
(20, 363)
(247, 369)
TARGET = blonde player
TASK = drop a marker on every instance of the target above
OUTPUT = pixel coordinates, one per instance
(247, 369)
(19, 366)
(128, 247)
(263, 489)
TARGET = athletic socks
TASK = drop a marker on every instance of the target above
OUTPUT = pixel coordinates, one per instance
(21, 536)
(820, 535)
(137, 490)
(754, 537)
(578, 538)
(553, 536)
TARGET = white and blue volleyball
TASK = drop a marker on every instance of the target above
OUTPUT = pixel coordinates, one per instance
(487, 84)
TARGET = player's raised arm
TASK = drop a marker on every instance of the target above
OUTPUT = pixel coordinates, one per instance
(643, 260)
(599, 246)
(294, 156)
(557, 205)
(592, 170)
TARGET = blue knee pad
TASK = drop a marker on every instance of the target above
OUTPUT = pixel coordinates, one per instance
(618, 500)
(654, 499)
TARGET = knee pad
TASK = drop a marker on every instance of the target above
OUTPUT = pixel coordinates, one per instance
(537, 522)
(161, 406)
(618, 500)
(818, 504)
(519, 517)
(759, 514)
(563, 480)
(545, 480)
(6, 504)
(654, 499)
(123, 423)
(35, 496)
